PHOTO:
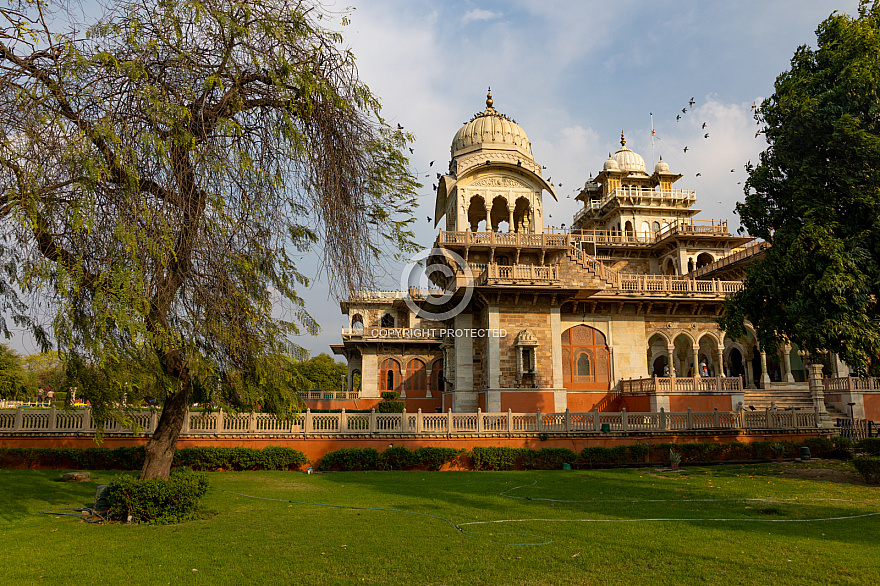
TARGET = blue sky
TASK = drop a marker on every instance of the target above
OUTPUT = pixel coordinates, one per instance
(574, 74)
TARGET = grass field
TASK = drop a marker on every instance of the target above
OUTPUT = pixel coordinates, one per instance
(719, 525)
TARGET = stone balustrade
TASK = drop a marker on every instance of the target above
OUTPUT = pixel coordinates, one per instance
(55, 422)
(676, 384)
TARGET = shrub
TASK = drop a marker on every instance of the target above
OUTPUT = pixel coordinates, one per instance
(433, 458)
(398, 458)
(496, 458)
(155, 500)
(596, 455)
(638, 453)
(351, 459)
(869, 445)
(547, 458)
(214, 458)
(389, 395)
(819, 446)
(390, 406)
(869, 468)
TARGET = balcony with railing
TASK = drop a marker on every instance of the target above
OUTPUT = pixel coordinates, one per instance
(496, 274)
(504, 239)
(637, 195)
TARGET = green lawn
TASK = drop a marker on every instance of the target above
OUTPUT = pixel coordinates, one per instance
(730, 525)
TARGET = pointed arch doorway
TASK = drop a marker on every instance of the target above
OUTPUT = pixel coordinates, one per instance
(586, 362)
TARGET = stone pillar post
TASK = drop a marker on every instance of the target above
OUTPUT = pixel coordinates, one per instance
(556, 348)
(786, 363)
(494, 350)
(750, 372)
(670, 352)
(695, 350)
(464, 399)
(719, 361)
(817, 392)
(765, 377)
(511, 228)
(403, 379)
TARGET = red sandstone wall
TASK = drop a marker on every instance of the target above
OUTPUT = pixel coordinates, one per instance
(528, 402)
(583, 402)
(872, 407)
(680, 403)
(639, 404)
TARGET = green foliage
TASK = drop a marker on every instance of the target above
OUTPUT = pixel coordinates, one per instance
(196, 458)
(324, 373)
(157, 501)
(351, 459)
(164, 172)
(547, 458)
(389, 395)
(390, 406)
(869, 445)
(397, 458)
(869, 468)
(814, 197)
(433, 458)
(496, 458)
(215, 458)
(13, 379)
(393, 458)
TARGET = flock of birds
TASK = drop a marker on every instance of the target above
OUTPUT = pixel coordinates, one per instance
(678, 117)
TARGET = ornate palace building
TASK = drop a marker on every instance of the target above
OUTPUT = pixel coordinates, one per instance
(617, 310)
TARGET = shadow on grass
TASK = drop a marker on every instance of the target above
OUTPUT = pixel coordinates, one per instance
(28, 492)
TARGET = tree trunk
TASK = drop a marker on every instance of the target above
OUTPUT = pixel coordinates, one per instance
(159, 451)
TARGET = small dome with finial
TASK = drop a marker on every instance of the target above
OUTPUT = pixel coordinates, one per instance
(491, 129)
(627, 160)
(661, 166)
(611, 164)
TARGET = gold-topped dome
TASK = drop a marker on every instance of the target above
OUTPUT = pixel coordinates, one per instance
(493, 130)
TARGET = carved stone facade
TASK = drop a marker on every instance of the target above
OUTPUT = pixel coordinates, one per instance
(564, 320)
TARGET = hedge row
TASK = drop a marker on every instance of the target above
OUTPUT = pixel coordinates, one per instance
(432, 458)
(393, 458)
(869, 468)
(198, 458)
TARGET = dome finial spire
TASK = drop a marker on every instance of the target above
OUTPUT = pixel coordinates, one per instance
(622, 139)
(489, 99)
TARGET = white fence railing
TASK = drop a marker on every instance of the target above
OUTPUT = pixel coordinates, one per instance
(80, 422)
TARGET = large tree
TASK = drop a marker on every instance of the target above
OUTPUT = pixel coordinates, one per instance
(161, 172)
(815, 197)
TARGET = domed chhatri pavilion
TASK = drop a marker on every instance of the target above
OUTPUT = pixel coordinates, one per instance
(616, 311)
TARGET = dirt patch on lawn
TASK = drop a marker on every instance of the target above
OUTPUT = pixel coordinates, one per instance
(827, 474)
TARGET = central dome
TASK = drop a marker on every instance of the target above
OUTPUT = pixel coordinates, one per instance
(628, 160)
(493, 130)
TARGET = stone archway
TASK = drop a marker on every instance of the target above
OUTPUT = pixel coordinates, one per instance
(586, 361)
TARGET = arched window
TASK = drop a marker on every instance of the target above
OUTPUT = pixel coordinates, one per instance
(656, 227)
(416, 379)
(389, 375)
(586, 363)
(387, 321)
(357, 322)
(584, 367)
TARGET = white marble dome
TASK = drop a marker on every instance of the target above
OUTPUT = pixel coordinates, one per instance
(661, 166)
(611, 164)
(491, 128)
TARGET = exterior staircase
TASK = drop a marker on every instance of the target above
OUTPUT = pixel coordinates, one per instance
(608, 277)
(784, 396)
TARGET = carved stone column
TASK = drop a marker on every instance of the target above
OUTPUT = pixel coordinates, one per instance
(695, 350)
(786, 363)
(765, 376)
(511, 226)
(817, 392)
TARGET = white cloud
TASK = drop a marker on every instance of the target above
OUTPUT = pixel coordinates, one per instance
(479, 14)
